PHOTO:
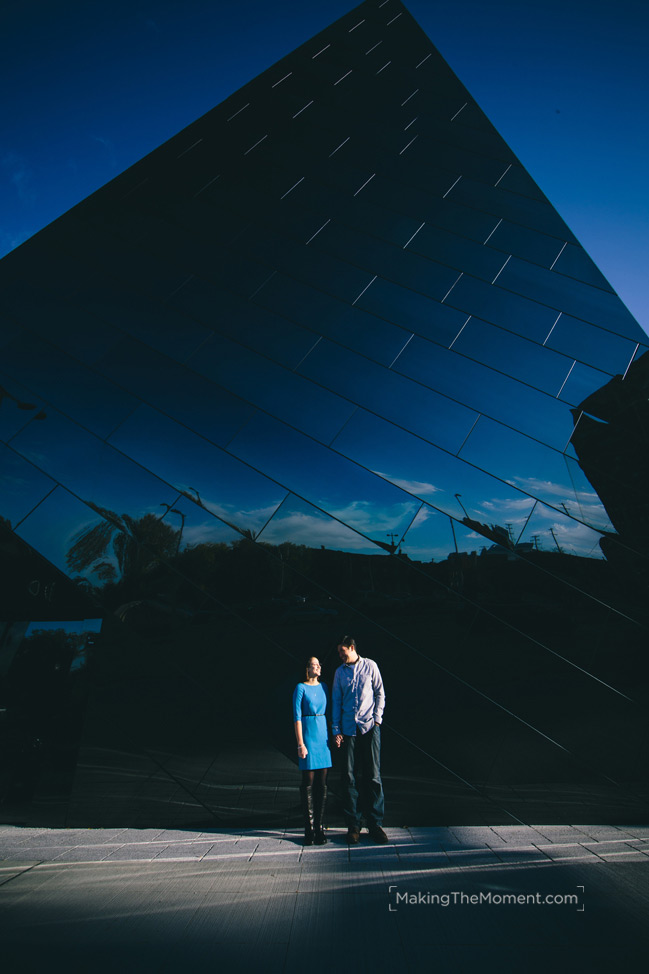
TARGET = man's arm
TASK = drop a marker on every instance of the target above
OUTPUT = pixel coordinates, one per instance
(379, 694)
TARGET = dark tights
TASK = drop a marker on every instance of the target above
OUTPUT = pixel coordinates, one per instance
(317, 778)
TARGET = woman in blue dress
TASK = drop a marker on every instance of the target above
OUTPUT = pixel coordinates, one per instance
(309, 708)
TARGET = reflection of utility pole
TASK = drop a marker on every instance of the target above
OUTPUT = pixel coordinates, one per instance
(391, 535)
(535, 539)
(554, 538)
(510, 533)
(457, 496)
(181, 515)
(453, 530)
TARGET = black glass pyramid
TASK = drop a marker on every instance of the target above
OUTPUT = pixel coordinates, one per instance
(327, 361)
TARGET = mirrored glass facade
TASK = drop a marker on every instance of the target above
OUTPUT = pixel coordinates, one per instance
(326, 362)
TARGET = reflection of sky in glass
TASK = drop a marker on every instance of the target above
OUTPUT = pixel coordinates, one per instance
(549, 530)
(21, 485)
(329, 481)
(53, 527)
(512, 457)
(88, 398)
(428, 473)
(302, 524)
(224, 486)
(429, 537)
(90, 468)
(196, 526)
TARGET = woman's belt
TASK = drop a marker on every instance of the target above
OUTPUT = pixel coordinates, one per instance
(313, 715)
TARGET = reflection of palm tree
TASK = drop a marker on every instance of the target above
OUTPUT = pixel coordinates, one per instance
(120, 544)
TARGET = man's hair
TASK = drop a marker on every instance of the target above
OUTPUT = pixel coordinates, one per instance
(348, 641)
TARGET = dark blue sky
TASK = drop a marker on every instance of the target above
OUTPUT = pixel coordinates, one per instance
(90, 87)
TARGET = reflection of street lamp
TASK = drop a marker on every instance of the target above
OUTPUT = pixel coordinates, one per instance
(457, 497)
(194, 491)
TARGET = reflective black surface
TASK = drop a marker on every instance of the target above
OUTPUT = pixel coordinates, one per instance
(326, 362)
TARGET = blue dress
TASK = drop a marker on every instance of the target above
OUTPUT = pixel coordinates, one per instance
(309, 706)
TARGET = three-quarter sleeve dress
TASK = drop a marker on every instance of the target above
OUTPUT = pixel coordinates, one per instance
(309, 706)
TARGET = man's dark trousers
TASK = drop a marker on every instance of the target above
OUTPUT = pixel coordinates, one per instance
(363, 785)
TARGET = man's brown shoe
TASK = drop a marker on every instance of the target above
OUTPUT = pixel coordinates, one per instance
(353, 836)
(378, 835)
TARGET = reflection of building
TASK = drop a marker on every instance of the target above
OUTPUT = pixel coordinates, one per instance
(311, 322)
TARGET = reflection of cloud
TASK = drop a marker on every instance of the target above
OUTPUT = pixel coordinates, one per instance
(253, 517)
(313, 531)
(371, 520)
(540, 488)
(416, 487)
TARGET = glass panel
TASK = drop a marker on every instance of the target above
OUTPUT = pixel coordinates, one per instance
(575, 262)
(453, 216)
(227, 488)
(511, 311)
(356, 212)
(525, 242)
(299, 523)
(351, 326)
(436, 321)
(518, 357)
(154, 324)
(457, 252)
(566, 294)
(420, 410)
(429, 538)
(452, 157)
(90, 468)
(284, 394)
(582, 382)
(134, 267)
(176, 390)
(438, 478)
(195, 526)
(537, 214)
(57, 320)
(516, 180)
(487, 391)
(335, 485)
(510, 456)
(550, 531)
(269, 334)
(595, 346)
(318, 269)
(390, 262)
(8, 331)
(18, 406)
(22, 486)
(81, 393)
(57, 525)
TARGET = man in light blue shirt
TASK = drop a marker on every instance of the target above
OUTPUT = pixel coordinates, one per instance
(357, 702)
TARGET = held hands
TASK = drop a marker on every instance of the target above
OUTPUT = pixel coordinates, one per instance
(302, 751)
(338, 739)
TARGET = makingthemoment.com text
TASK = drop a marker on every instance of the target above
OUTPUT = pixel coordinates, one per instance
(477, 899)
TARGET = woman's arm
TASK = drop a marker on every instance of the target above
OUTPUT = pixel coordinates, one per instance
(297, 720)
(301, 746)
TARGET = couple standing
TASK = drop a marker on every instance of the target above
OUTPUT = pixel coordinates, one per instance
(357, 712)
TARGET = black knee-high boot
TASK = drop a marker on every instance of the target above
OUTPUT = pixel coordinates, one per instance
(320, 800)
(306, 794)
